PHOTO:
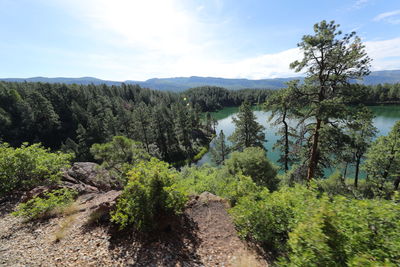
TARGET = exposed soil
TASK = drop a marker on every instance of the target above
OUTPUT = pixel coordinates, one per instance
(203, 236)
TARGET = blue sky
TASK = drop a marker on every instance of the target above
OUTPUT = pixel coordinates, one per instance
(137, 40)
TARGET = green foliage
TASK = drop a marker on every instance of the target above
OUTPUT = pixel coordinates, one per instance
(383, 163)
(220, 182)
(248, 132)
(283, 107)
(213, 98)
(119, 155)
(253, 162)
(74, 117)
(330, 61)
(346, 232)
(221, 150)
(150, 192)
(308, 229)
(201, 153)
(335, 184)
(28, 166)
(40, 207)
(269, 217)
(361, 131)
(295, 175)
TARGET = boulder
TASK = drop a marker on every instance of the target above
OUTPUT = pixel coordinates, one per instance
(92, 174)
(100, 205)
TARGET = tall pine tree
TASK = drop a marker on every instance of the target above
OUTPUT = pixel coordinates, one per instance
(220, 150)
(248, 132)
(329, 62)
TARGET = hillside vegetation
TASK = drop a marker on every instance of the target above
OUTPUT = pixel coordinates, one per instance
(150, 206)
(179, 84)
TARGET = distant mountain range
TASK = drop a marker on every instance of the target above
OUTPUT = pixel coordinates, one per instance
(183, 83)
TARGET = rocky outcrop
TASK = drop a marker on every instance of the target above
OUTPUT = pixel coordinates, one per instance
(90, 174)
(82, 177)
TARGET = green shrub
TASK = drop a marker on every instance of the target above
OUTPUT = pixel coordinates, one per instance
(42, 206)
(151, 191)
(253, 162)
(268, 218)
(29, 166)
(335, 184)
(119, 155)
(309, 229)
(221, 182)
(295, 175)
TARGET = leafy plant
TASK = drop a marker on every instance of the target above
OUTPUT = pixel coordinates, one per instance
(253, 162)
(42, 206)
(150, 192)
(29, 166)
(221, 182)
(309, 229)
(119, 155)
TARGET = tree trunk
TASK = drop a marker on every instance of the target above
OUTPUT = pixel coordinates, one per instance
(345, 169)
(357, 172)
(343, 179)
(314, 153)
(223, 151)
(286, 142)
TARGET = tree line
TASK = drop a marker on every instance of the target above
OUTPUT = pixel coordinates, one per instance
(380, 94)
(74, 117)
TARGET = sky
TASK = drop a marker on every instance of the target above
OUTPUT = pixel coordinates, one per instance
(141, 39)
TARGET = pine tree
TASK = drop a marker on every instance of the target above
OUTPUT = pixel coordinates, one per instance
(142, 120)
(248, 132)
(330, 62)
(383, 160)
(281, 105)
(220, 150)
(361, 132)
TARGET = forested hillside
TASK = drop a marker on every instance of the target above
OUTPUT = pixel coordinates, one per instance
(74, 117)
(180, 84)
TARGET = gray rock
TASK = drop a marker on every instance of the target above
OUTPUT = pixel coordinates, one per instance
(92, 174)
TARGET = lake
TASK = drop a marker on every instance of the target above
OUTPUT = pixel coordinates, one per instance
(385, 118)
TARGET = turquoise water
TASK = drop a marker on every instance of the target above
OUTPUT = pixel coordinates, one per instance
(385, 118)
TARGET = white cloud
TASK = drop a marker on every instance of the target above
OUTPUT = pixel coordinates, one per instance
(163, 39)
(258, 67)
(167, 39)
(392, 17)
(385, 53)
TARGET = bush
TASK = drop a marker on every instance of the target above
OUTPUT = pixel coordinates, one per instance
(29, 166)
(151, 191)
(197, 180)
(253, 162)
(335, 184)
(268, 218)
(297, 174)
(119, 155)
(42, 206)
(307, 229)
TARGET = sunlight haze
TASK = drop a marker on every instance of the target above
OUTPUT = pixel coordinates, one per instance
(138, 40)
